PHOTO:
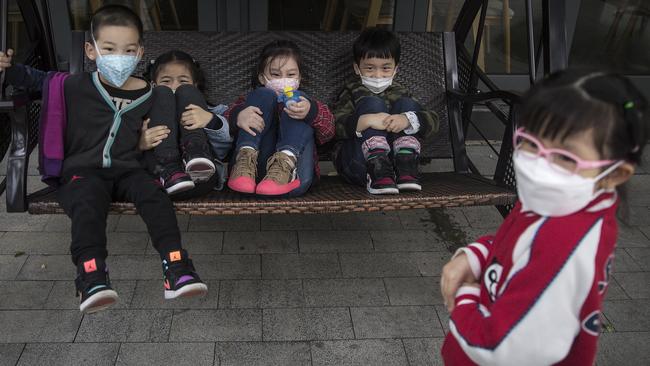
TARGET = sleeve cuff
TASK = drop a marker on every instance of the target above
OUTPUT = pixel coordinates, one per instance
(313, 112)
(474, 261)
(414, 121)
(216, 123)
(467, 295)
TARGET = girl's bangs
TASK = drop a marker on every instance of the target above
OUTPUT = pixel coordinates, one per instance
(557, 114)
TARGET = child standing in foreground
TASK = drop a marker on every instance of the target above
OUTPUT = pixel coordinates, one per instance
(378, 122)
(532, 293)
(274, 136)
(103, 114)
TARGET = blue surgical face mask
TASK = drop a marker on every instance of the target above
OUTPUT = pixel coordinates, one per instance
(116, 69)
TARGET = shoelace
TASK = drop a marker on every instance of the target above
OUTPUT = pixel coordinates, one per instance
(279, 169)
(245, 164)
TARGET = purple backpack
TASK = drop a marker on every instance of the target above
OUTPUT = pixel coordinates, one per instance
(52, 126)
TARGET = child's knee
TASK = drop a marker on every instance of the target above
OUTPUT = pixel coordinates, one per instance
(162, 92)
(187, 91)
(371, 104)
(262, 95)
(405, 104)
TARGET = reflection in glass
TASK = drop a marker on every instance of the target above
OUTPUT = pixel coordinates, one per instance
(613, 34)
(155, 14)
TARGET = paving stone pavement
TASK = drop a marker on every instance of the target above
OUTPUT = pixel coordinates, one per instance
(351, 289)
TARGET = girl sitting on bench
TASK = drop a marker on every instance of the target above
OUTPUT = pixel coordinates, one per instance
(275, 127)
(183, 130)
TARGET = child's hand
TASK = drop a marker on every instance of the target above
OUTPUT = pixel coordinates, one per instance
(250, 120)
(372, 120)
(5, 59)
(298, 110)
(396, 123)
(195, 117)
(454, 274)
(152, 137)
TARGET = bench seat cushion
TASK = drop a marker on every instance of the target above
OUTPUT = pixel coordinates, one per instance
(330, 195)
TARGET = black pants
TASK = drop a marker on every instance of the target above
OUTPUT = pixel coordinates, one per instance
(86, 196)
(166, 111)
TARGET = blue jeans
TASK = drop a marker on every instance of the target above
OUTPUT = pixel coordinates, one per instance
(283, 133)
(349, 160)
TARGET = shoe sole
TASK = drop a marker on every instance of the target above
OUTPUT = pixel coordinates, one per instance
(273, 189)
(236, 186)
(200, 169)
(388, 190)
(99, 301)
(408, 187)
(180, 187)
(194, 289)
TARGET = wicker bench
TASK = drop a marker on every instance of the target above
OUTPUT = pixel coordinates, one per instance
(434, 66)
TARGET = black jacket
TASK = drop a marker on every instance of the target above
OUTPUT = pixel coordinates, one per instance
(98, 135)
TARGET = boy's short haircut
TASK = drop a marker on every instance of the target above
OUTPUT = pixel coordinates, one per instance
(115, 15)
(375, 42)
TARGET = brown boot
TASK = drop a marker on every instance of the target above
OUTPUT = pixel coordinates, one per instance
(281, 176)
(244, 172)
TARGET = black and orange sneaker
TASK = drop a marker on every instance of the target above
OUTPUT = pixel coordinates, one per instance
(180, 278)
(381, 175)
(94, 286)
(407, 170)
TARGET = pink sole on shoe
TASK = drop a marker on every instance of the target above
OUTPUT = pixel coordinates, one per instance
(242, 184)
(270, 188)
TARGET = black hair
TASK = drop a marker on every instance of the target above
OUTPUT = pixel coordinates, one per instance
(376, 42)
(273, 50)
(177, 57)
(116, 15)
(568, 103)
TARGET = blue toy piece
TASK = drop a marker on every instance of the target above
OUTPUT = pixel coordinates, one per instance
(289, 96)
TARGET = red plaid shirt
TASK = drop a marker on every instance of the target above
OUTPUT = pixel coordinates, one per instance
(323, 124)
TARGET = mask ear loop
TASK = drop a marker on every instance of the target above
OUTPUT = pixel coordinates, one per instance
(92, 36)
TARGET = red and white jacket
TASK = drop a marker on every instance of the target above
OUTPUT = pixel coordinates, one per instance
(542, 283)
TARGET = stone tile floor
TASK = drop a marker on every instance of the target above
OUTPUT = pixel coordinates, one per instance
(347, 289)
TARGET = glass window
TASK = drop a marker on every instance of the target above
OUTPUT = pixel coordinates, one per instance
(613, 34)
(504, 48)
(330, 14)
(16, 34)
(155, 14)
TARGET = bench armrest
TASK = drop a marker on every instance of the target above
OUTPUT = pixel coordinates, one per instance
(19, 150)
(484, 97)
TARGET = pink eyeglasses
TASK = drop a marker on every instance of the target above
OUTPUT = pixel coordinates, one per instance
(562, 160)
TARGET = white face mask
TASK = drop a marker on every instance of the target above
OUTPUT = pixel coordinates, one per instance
(279, 84)
(376, 85)
(548, 192)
